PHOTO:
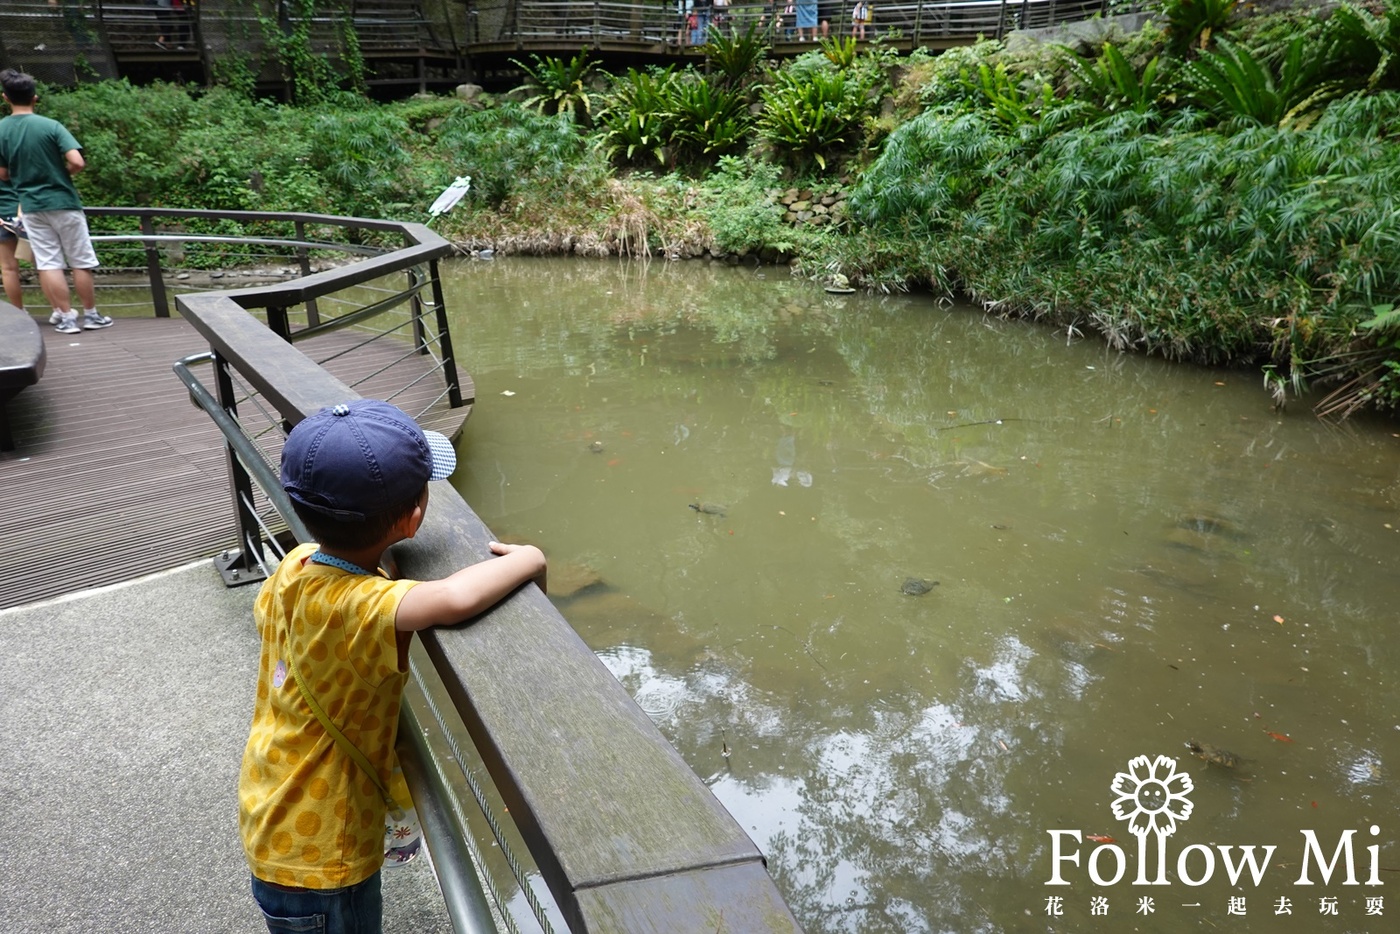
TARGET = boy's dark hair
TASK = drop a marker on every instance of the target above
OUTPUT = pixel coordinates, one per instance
(352, 534)
(18, 86)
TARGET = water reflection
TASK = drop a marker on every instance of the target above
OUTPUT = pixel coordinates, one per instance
(1129, 556)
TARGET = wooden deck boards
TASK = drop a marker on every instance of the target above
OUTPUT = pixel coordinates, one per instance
(117, 474)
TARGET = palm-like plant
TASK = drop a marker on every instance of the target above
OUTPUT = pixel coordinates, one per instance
(1233, 83)
(556, 86)
(1194, 22)
(735, 56)
(707, 120)
(1112, 82)
(808, 117)
(1367, 44)
(636, 118)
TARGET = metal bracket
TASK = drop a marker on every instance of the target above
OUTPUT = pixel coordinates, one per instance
(234, 570)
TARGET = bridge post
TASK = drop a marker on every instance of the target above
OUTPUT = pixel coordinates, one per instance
(313, 314)
(158, 298)
(244, 566)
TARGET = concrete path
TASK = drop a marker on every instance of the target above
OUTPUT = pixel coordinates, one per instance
(124, 713)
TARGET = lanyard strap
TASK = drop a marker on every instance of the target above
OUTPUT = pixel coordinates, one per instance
(340, 738)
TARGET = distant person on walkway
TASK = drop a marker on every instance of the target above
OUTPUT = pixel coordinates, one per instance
(40, 157)
(806, 20)
(9, 242)
(860, 18)
(337, 630)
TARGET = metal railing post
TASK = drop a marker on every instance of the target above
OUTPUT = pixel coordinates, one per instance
(415, 311)
(313, 314)
(278, 324)
(449, 360)
(243, 566)
(1001, 20)
(158, 297)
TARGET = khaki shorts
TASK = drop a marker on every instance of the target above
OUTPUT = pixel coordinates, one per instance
(60, 240)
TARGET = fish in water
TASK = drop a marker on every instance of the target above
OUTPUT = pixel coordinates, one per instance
(971, 467)
(1214, 754)
(917, 586)
(708, 509)
(596, 447)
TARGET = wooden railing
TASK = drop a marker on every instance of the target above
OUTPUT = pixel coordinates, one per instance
(623, 832)
(930, 22)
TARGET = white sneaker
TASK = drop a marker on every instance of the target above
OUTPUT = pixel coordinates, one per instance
(68, 324)
(93, 320)
(55, 317)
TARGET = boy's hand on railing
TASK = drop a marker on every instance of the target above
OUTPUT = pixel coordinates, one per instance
(472, 590)
(501, 548)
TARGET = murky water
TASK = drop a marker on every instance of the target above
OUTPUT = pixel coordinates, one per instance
(1120, 556)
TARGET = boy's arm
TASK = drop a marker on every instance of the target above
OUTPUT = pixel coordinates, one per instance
(472, 590)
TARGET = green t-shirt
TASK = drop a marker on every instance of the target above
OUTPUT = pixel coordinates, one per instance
(9, 201)
(32, 149)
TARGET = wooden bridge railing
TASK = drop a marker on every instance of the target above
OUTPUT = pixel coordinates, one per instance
(608, 22)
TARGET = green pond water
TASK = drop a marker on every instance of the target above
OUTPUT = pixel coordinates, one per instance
(1121, 556)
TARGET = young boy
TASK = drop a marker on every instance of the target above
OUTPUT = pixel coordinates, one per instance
(312, 820)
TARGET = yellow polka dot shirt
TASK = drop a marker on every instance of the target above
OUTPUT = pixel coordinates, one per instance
(309, 816)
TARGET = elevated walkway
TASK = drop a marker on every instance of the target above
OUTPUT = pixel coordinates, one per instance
(125, 719)
(115, 474)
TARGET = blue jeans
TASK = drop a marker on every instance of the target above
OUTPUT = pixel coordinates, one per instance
(354, 909)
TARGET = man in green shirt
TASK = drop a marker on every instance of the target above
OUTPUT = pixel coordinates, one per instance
(40, 157)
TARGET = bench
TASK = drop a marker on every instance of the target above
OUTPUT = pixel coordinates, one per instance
(22, 359)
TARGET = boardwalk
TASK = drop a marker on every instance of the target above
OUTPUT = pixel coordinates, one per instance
(116, 474)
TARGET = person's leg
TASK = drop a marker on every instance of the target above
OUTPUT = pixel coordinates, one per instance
(54, 284)
(9, 271)
(86, 288)
(47, 248)
(72, 229)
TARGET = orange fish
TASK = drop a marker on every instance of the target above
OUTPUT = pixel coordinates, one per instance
(1099, 838)
(1281, 737)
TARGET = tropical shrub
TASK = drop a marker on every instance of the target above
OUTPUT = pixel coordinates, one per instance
(811, 117)
(1111, 82)
(1367, 44)
(735, 56)
(635, 121)
(1234, 84)
(738, 209)
(705, 119)
(556, 86)
(1193, 23)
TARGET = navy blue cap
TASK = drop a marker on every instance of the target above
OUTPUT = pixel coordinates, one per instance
(360, 459)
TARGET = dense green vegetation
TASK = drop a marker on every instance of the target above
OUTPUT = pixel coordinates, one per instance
(1215, 187)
